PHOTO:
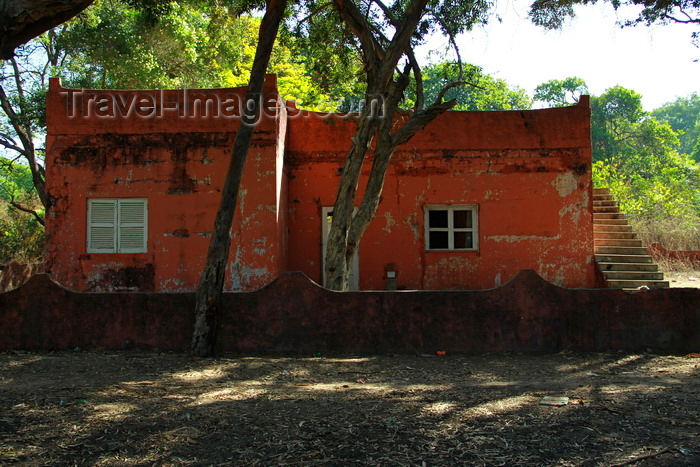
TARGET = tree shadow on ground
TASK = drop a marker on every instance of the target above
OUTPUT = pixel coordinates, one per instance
(139, 408)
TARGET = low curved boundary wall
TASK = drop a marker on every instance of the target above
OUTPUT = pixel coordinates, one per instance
(295, 314)
(691, 256)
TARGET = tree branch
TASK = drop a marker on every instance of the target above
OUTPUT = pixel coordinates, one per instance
(444, 90)
(312, 14)
(31, 211)
(12, 147)
(27, 143)
(7, 137)
(418, 76)
(402, 37)
(208, 297)
(419, 120)
(689, 20)
(18, 85)
(358, 24)
(22, 20)
(640, 458)
(14, 119)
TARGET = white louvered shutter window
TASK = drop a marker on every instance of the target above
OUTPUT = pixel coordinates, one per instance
(117, 225)
(132, 225)
(102, 226)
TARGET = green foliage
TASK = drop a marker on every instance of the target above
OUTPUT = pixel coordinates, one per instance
(453, 17)
(26, 93)
(552, 14)
(326, 47)
(616, 125)
(481, 91)
(671, 191)
(192, 44)
(21, 235)
(15, 181)
(637, 157)
(559, 93)
(683, 115)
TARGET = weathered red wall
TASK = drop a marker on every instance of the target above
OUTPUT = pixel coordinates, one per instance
(528, 172)
(179, 164)
(690, 256)
(294, 314)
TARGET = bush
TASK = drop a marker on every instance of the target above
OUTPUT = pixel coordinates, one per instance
(21, 236)
(672, 233)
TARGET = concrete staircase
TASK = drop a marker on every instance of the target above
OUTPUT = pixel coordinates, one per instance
(620, 255)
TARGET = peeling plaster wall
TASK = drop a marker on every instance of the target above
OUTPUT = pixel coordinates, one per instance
(179, 164)
(528, 172)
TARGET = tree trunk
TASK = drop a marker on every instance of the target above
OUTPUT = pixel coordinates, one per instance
(337, 269)
(208, 300)
(380, 63)
(383, 152)
(23, 20)
(346, 229)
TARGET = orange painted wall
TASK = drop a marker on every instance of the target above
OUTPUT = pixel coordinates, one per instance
(175, 158)
(528, 172)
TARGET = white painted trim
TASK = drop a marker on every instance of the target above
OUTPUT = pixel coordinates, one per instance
(450, 208)
(115, 225)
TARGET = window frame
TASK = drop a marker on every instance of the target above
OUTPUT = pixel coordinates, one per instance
(118, 225)
(450, 229)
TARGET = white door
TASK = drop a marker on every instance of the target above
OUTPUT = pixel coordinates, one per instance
(354, 278)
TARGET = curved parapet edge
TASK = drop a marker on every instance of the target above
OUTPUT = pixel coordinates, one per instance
(295, 277)
(39, 279)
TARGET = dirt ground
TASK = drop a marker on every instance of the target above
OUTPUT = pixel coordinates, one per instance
(147, 408)
(689, 279)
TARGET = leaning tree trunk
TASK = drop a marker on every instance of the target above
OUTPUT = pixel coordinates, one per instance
(380, 60)
(336, 263)
(208, 300)
(347, 230)
(23, 20)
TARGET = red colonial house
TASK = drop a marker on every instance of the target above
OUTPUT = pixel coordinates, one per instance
(135, 177)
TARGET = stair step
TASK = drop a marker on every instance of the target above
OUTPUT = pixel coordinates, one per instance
(607, 228)
(602, 236)
(623, 242)
(608, 216)
(621, 222)
(619, 254)
(605, 209)
(633, 275)
(620, 250)
(609, 266)
(613, 258)
(603, 203)
(633, 284)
